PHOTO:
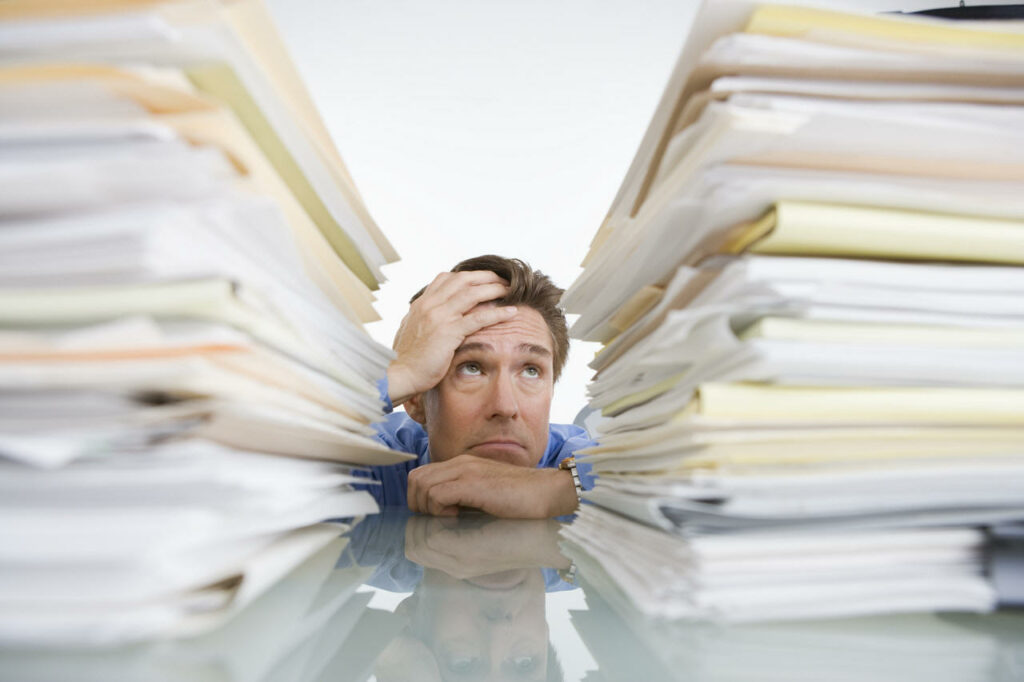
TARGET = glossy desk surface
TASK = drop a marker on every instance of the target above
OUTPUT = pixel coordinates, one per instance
(418, 598)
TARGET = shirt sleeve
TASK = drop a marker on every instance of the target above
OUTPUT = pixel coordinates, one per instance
(398, 432)
(379, 541)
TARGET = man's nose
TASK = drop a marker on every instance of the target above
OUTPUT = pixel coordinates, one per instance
(503, 399)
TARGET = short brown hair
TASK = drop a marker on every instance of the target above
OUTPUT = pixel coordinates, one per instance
(527, 287)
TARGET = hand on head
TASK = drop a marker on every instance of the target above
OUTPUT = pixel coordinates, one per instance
(451, 308)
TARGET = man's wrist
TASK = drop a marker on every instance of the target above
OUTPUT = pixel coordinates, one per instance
(399, 387)
(564, 499)
(569, 464)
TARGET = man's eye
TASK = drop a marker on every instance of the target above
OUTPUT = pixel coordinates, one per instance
(463, 664)
(523, 665)
(532, 372)
(469, 368)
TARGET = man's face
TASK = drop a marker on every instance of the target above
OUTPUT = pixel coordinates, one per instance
(495, 400)
(485, 628)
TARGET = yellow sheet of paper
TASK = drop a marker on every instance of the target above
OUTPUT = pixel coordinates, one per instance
(683, 437)
(823, 331)
(760, 402)
(635, 308)
(830, 25)
(869, 451)
(48, 9)
(809, 229)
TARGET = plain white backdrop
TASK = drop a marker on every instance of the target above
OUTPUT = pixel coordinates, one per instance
(486, 127)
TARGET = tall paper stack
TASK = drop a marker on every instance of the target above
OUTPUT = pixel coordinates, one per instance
(812, 307)
(185, 268)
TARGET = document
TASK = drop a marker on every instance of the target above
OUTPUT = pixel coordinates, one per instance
(806, 229)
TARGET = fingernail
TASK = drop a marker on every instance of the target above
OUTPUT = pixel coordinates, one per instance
(510, 310)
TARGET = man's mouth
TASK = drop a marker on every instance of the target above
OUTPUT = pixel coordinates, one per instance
(500, 582)
(499, 445)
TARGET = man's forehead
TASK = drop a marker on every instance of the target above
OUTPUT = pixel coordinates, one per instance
(525, 328)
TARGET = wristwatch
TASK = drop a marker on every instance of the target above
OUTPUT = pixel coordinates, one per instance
(568, 575)
(569, 464)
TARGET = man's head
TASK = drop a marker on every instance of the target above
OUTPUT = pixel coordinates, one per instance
(527, 287)
(495, 399)
(485, 628)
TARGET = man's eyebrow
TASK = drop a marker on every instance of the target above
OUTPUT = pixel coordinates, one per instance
(473, 345)
(534, 349)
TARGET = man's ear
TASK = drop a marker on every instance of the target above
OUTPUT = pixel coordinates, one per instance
(414, 408)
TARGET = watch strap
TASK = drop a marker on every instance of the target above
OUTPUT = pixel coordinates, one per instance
(569, 464)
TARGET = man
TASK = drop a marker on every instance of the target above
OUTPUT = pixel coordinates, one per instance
(476, 362)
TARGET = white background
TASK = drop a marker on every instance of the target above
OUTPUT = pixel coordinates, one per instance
(485, 127)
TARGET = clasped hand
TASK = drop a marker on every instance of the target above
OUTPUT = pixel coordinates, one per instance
(496, 488)
(471, 547)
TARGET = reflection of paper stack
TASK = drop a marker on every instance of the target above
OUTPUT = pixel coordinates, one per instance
(1006, 563)
(790, 573)
(290, 629)
(185, 268)
(809, 290)
(897, 647)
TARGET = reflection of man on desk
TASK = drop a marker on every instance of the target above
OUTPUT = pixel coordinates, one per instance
(477, 359)
(478, 584)
(487, 628)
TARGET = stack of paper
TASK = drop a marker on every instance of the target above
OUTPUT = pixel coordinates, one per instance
(185, 269)
(810, 294)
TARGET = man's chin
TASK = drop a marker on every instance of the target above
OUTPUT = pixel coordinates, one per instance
(502, 452)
